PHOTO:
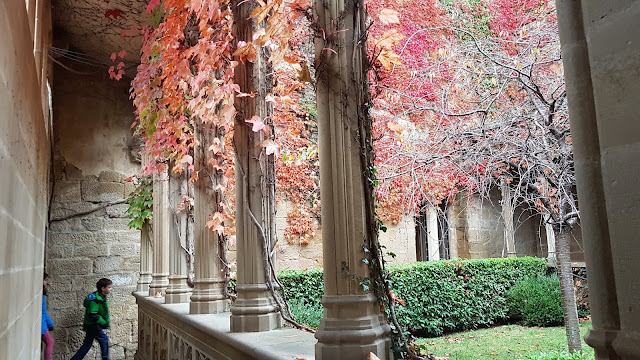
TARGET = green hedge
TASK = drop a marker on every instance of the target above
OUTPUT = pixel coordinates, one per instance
(441, 296)
(457, 295)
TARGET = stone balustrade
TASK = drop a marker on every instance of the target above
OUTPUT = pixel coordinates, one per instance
(169, 332)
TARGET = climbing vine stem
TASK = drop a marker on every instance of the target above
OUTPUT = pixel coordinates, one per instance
(379, 280)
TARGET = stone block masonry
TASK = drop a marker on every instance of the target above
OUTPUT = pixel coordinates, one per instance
(24, 174)
(84, 248)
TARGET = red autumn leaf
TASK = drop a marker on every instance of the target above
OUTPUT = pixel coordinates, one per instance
(114, 13)
(152, 5)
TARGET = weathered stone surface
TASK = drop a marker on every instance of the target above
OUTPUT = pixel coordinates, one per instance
(93, 223)
(118, 211)
(64, 209)
(110, 176)
(62, 300)
(58, 169)
(122, 294)
(67, 317)
(60, 343)
(105, 237)
(75, 337)
(126, 249)
(102, 191)
(129, 188)
(121, 334)
(130, 236)
(91, 250)
(66, 191)
(106, 264)
(122, 279)
(78, 238)
(66, 225)
(60, 283)
(85, 284)
(72, 172)
(119, 224)
(70, 266)
(131, 263)
(56, 252)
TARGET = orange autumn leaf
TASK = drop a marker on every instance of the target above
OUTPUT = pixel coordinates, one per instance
(388, 16)
(388, 57)
(395, 127)
(246, 52)
(389, 39)
(260, 13)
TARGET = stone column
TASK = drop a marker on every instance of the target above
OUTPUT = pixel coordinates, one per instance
(177, 291)
(507, 216)
(551, 242)
(208, 292)
(161, 222)
(453, 232)
(255, 308)
(433, 240)
(591, 196)
(146, 258)
(353, 325)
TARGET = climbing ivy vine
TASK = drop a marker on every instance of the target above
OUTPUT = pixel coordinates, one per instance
(140, 203)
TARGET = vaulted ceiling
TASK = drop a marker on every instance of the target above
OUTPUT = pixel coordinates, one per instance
(94, 29)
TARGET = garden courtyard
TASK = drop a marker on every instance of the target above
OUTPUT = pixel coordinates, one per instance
(507, 342)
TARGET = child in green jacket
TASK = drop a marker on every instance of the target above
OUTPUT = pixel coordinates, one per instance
(96, 320)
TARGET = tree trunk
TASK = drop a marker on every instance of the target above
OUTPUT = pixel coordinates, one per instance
(565, 274)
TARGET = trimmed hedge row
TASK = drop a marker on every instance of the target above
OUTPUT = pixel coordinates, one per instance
(441, 296)
(454, 295)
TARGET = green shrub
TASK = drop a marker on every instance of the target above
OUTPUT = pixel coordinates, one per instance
(305, 286)
(309, 314)
(455, 295)
(441, 296)
(536, 301)
(556, 356)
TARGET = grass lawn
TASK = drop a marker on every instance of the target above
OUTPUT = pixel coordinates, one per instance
(509, 342)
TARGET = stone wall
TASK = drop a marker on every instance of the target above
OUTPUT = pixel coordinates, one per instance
(399, 239)
(24, 175)
(92, 136)
(479, 227)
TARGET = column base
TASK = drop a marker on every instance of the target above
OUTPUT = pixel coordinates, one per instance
(159, 283)
(255, 310)
(602, 342)
(178, 291)
(626, 345)
(143, 282)
(351, 328)
(208, 297)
